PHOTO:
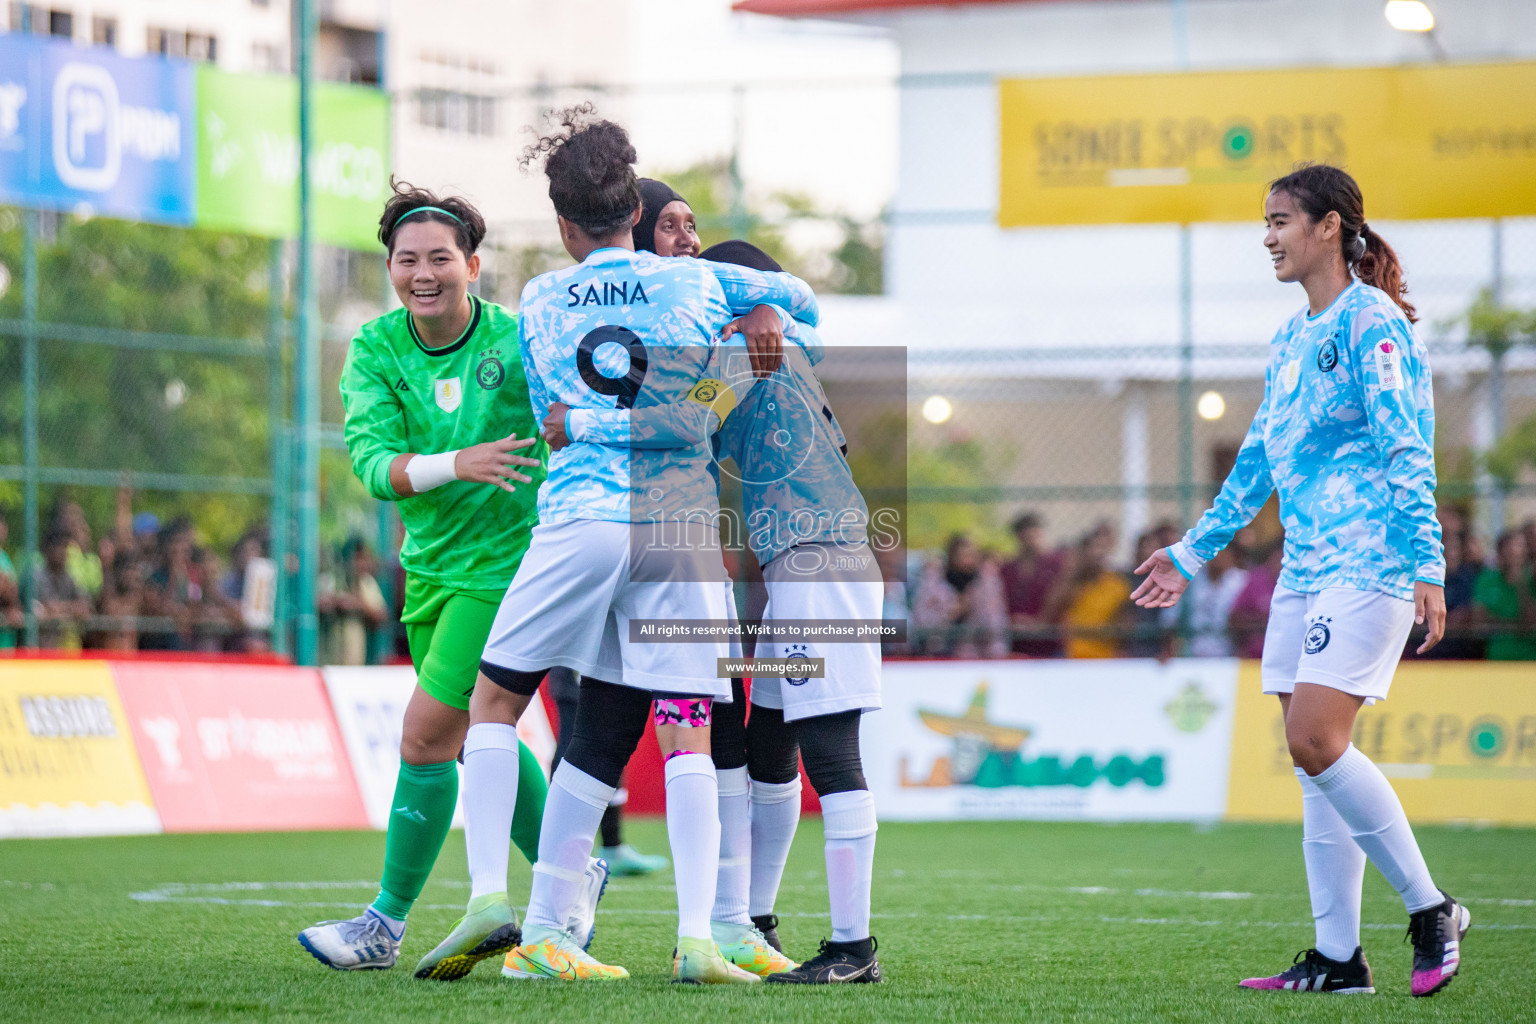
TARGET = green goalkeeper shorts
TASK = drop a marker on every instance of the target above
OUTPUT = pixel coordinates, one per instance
(447, 629)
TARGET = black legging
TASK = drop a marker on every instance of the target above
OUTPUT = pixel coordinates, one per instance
(829, 744)
(565, 688)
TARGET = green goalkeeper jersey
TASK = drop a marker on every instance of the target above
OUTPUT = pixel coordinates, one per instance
(401, 396)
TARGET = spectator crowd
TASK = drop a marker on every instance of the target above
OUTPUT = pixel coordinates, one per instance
(147, 585)
(1071, 601)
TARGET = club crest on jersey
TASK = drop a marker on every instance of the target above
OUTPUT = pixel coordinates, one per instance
(801, 651)
(449, 392)
(1317, 636)
(1328, 356)
(490, 374)
(608, 293)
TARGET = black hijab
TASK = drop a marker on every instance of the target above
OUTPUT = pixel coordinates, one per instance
(654, 197)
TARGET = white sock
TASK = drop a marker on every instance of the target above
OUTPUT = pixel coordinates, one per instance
(775, 814)
(693, 829)
(572, 813)
(490, 796)
(393, 925)
(735, 878)
(1335, 872)
(1367, 803)
(848, 820)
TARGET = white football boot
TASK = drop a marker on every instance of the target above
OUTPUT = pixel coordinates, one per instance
(581, 925)
(362, 944)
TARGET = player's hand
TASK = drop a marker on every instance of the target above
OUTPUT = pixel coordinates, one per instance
(1164, 584)
(764, 332)
(554, 426)
(1429, 606)
(494, 463)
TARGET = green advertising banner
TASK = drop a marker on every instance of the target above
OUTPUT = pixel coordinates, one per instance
(248, 157)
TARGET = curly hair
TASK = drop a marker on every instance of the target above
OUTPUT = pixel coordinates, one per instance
(468, 229)
(1319, 188)
(590, 166)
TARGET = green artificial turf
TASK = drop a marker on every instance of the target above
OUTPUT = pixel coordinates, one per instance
(976, 922)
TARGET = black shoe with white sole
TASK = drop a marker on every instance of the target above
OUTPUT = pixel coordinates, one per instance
(836, 963)
(1436, 933)
(1313, 972)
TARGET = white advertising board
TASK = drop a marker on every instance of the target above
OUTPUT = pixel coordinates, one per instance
(1132, 740)
(370, 706)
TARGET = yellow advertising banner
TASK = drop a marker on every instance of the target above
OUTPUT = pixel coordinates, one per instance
(1426, 141)
(67, 760)
(1458, 741)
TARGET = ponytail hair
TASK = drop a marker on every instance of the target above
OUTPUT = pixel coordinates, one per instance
(1321, 188)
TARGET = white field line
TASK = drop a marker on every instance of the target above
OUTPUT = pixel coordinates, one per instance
(208, 893)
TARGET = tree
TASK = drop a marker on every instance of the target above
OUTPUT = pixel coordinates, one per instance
(1499, 328)
(151, 405)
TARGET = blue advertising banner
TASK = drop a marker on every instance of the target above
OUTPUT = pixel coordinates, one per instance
(84, 128)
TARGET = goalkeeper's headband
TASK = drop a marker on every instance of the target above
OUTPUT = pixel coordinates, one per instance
(426, 209)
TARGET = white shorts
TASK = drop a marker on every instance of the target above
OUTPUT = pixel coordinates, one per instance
(1349, 640)
(583, 581)
(852, 680)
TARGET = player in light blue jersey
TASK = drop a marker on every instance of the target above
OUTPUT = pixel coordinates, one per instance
(807, 524)
(1345, 435)
(618, 544)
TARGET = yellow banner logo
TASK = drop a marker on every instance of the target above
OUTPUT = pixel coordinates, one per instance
(1458, 742)
(1424, 142)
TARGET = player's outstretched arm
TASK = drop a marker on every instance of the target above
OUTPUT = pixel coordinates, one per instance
(374, 422)
(489, 463)
(746, 288)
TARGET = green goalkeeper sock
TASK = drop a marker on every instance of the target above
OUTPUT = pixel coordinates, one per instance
(419, 819)
(532, 789)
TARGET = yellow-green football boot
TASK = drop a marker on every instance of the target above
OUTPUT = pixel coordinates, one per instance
(748, 948)
(488, 928)
(698, 962)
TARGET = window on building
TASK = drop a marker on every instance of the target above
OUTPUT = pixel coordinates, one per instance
(460, 112)
(167, 42)
(267, 57)
(104, 31)
(202, 47)
(60, 24)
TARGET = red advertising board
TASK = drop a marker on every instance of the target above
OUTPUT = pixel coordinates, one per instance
(234, 748)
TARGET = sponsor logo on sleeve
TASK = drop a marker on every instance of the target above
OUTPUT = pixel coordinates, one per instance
(1389, 369)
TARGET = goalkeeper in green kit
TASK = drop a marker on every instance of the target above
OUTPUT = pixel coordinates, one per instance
(436, 402)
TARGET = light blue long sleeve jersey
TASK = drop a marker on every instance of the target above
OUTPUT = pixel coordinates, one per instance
(786, 442)
(631, 330)
(1345, 434)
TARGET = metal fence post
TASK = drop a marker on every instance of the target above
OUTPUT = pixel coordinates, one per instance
(277, 431)
(1186, 378)
(306, 392)
(29, 355)
(1496, 510)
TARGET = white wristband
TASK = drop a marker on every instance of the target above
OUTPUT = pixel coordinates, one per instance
(428, 471)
